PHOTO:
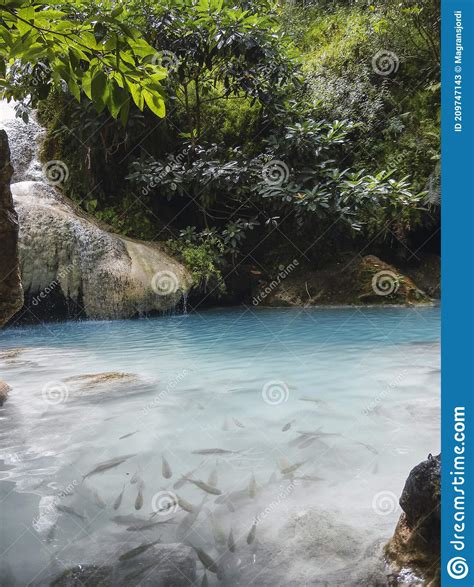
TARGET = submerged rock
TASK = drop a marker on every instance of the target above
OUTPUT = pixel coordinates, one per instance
(163, 565)
(91, 379)
(11, 295)
(4, 391)
(414, 551)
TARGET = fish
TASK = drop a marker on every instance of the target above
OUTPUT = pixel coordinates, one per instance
(217, 531)
(128, 519)
(146, 525)
(165, 468)
(136, 478)
(185, 505)
(251, 534)
(139, 498)
(128, 435)
(286, 427)
(99, 501)
(233, 496)
(317, 433)
(252, 487)
(204, 581)
(119, 498)
(205, 487)
(308, 478)
(231, 541)
(212, 481)
(208, 562)
(69, 510)
(292, 468)
(186, 524)
(138, 550)
(213, 451)
(369, 447)
(283, 463)
(238, 423)
(185, 478)
(307, 442)
(101, 467)
(182, 481)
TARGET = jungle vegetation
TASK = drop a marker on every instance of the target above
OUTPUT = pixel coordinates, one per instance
(238, 131)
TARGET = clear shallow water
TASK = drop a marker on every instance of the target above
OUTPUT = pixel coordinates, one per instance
(233, 379)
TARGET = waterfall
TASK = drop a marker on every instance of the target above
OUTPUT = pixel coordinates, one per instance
(70, 266)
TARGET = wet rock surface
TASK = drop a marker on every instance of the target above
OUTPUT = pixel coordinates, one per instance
(347, 280)
(11, 294)
(70, 266)
(4, 390)
(163, 565)
(414, 550)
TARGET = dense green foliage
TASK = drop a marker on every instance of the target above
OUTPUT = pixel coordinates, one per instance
(87, 46)
(282, 128)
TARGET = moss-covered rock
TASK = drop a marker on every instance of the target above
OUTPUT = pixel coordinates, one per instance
(347, 280)
(415, 547)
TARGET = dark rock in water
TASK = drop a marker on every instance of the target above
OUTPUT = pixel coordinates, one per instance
(11, 293)
(420, 498)
(426, 273)
(415, 546)
(163, 565)
(84, 576)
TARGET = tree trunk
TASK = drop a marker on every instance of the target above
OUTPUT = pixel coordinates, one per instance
(11, 292)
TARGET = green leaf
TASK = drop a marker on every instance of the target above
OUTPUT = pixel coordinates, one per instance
(155, 103)
(116, 99)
